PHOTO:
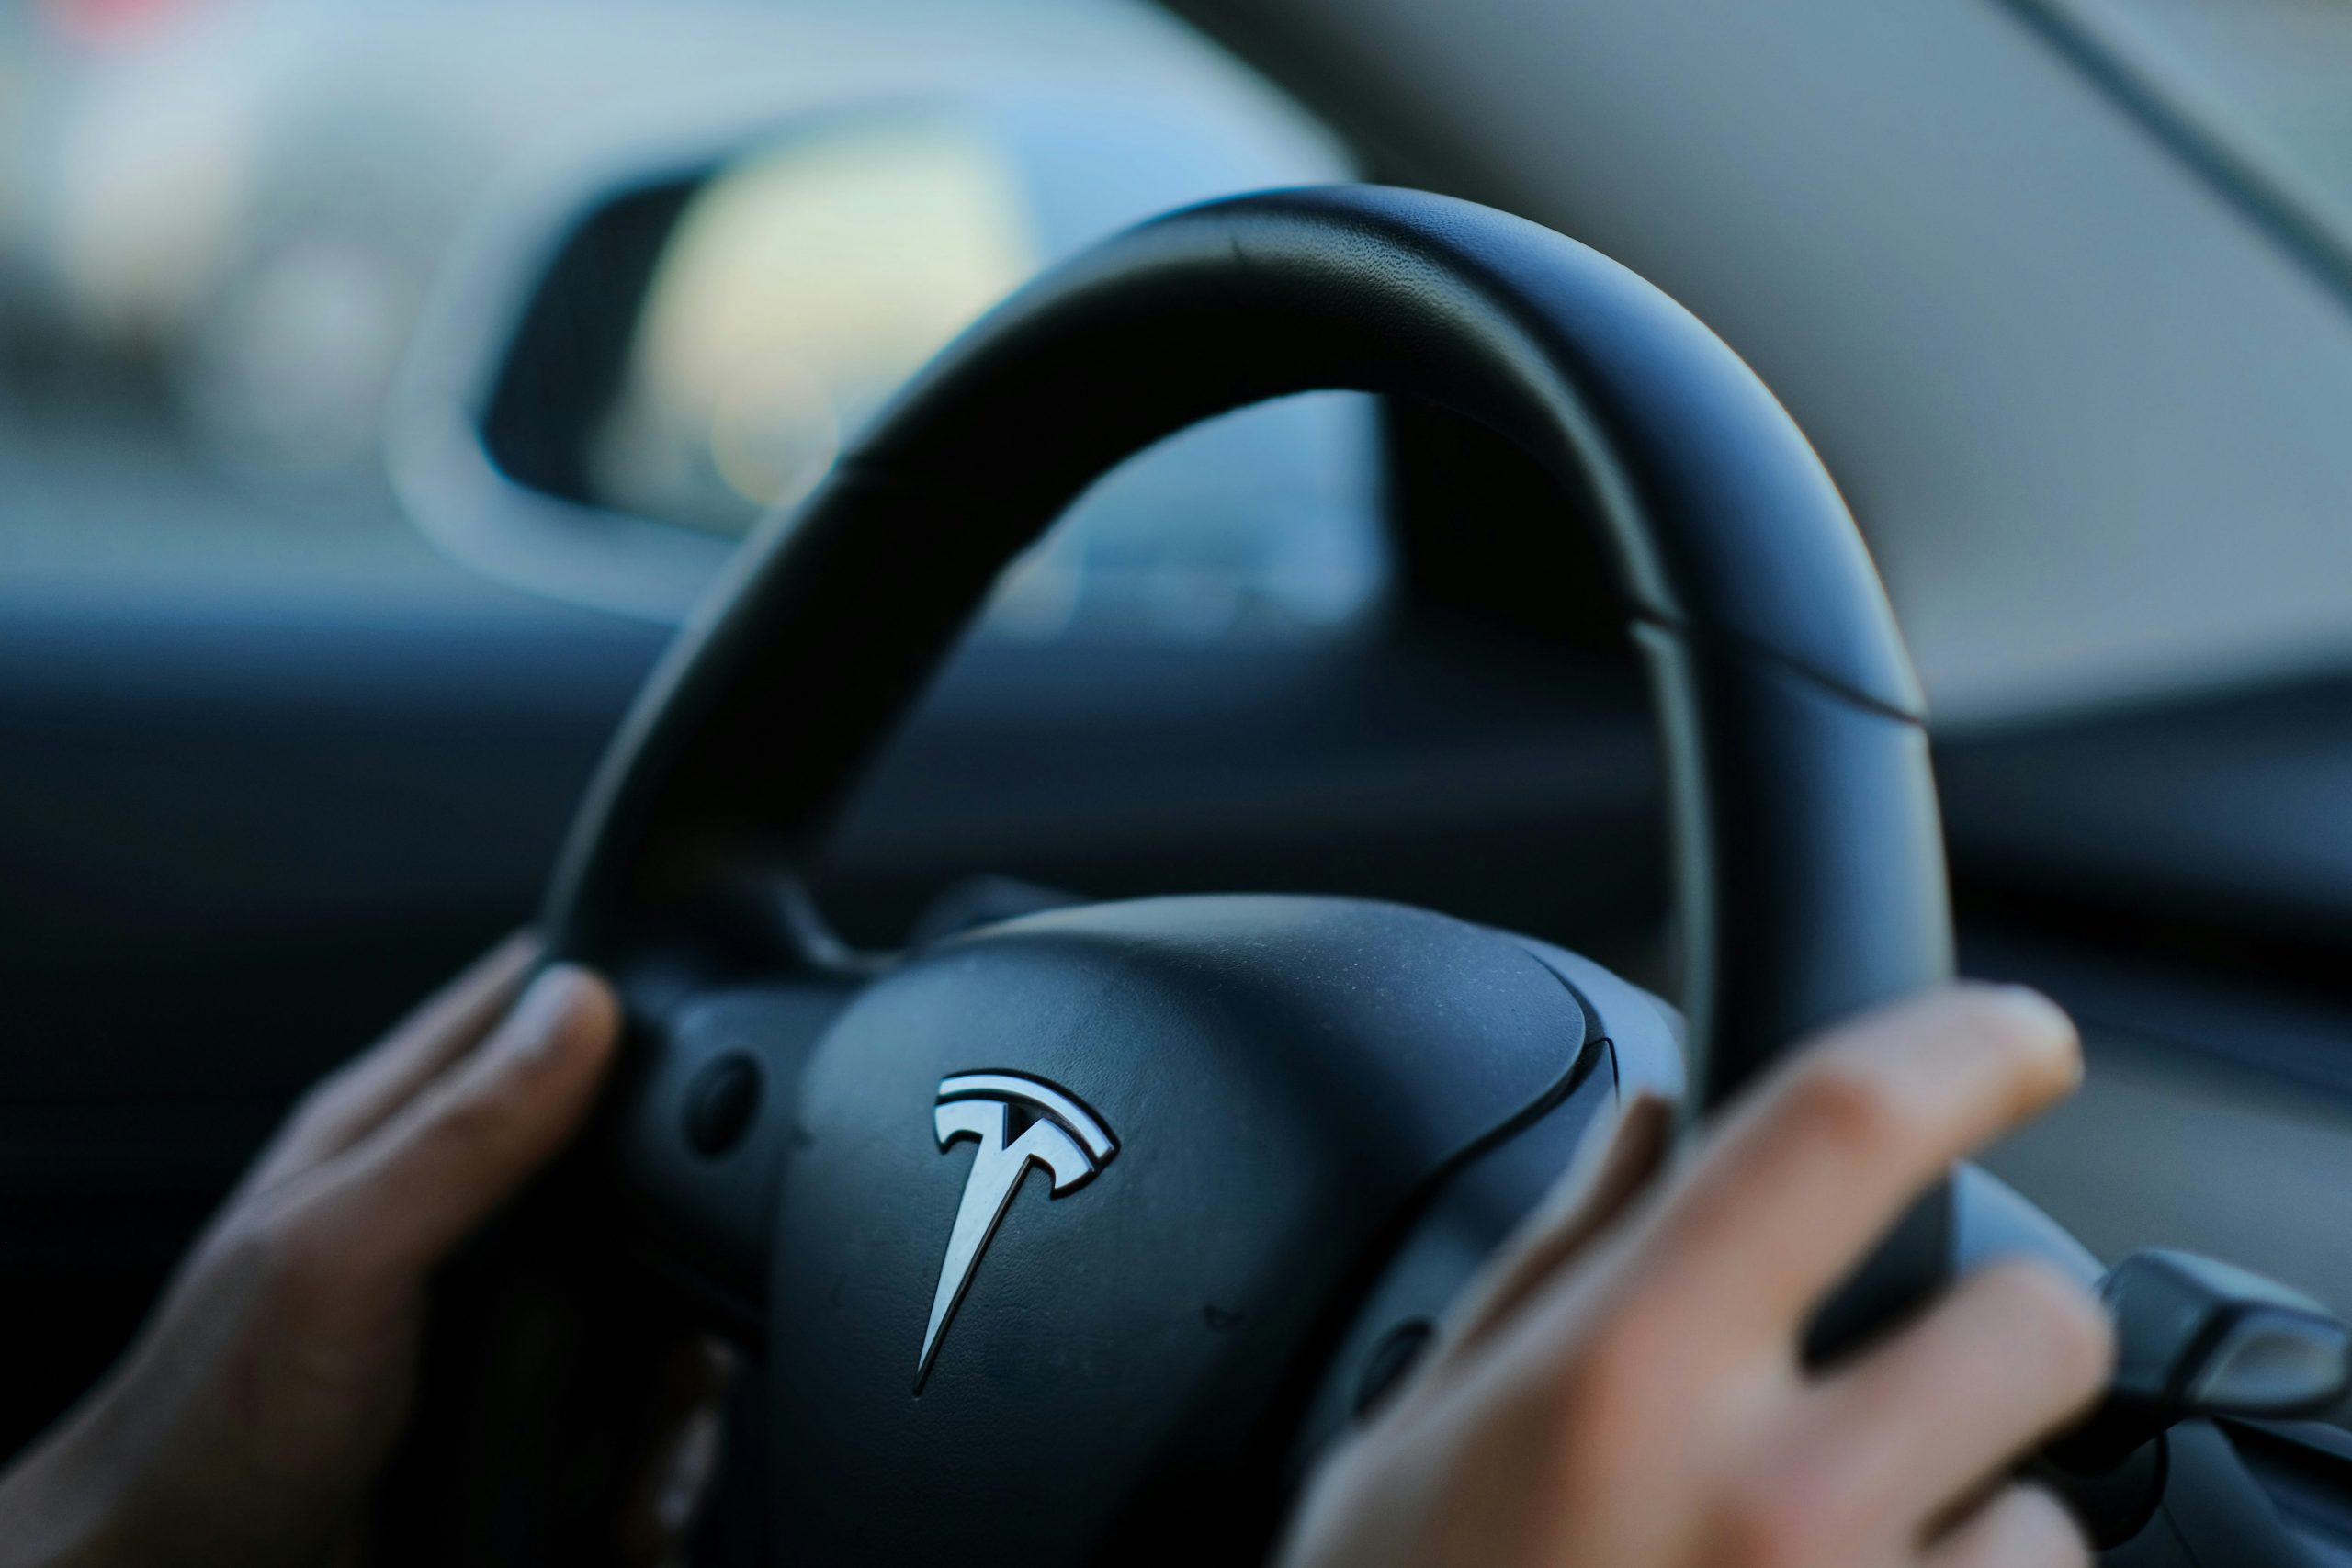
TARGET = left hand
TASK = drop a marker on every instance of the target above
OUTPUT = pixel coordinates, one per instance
(251, 1419)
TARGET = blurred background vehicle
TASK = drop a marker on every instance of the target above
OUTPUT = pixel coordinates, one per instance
(2061, 288)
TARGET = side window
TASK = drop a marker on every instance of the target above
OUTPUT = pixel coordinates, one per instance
(220, 222)
(803, 283)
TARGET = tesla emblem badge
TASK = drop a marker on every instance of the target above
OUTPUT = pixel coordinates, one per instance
(1017, 1121)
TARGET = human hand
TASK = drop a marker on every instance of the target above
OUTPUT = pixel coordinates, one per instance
(1625, 1388)
(249, 1422)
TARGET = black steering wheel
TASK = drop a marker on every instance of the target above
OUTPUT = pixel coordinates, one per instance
(1270, 1136)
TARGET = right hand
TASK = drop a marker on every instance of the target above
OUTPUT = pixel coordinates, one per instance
(1625, 1389)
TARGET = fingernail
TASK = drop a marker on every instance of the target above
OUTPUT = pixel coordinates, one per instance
(2034, 1010)
(2039, 1018)
(558, 1002)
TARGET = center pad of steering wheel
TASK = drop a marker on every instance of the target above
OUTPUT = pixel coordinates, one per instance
(1045, 1174)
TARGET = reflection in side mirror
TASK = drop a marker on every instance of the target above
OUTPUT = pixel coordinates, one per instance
(603, 405)
(799, 287)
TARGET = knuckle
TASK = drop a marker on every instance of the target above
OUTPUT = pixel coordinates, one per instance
(1841, 1102)
(1616, 1375)
(308, 1273)
(1779, 1515)
(2071, 1336)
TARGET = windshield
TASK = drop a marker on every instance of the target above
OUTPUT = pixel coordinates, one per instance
(2256, 87)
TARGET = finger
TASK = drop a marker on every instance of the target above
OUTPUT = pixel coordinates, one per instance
(682, 1457)
(445, 1160)
(1614, 1164)
(2015, 1352)
(358, 1097)
(1782, 1201)
(2022, 1527)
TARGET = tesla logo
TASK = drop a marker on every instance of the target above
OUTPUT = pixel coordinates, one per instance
(1018, 1121)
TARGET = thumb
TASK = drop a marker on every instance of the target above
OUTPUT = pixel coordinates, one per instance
(418, 1183)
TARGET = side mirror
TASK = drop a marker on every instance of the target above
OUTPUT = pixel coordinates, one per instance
(622, 373)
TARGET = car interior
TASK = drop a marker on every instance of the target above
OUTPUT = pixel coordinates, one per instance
(398, 402)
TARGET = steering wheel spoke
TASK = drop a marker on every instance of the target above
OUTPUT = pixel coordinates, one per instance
(703, 1122)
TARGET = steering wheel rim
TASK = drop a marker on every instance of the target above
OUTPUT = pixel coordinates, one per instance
(1267, 1060)
(1810, 877)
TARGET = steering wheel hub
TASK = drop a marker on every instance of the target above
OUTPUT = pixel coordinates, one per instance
(1083, 1189)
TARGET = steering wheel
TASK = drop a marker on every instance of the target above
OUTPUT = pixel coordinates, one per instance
(1074, 1237)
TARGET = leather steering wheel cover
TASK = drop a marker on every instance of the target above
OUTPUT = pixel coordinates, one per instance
(1808, 846)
